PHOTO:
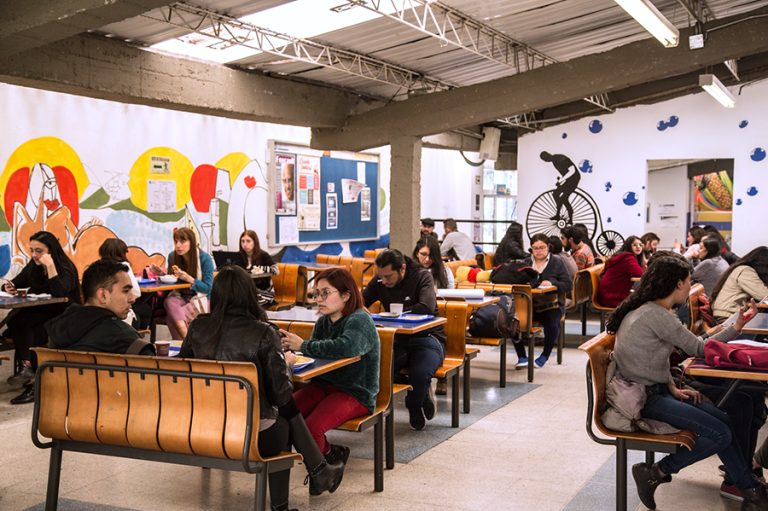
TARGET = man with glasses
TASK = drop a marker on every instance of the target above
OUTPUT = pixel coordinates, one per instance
(401, 281)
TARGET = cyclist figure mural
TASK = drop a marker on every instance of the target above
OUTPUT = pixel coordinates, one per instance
(567, 205)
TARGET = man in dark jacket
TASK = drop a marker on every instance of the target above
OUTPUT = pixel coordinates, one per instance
(402, 281)
(98, 325)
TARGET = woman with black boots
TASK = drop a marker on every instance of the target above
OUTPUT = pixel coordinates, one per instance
(646, 334)
(236, 330)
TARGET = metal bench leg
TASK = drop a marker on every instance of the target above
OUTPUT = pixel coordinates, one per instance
(455, 400)
(650, 457)
(503, 362)
(378, 455)
(389, 439)
(621, 474)
(531, 342)
(561, 341)
(54, 476)
(584, 319)
(260, 499)
(602, 322)
(466, 385)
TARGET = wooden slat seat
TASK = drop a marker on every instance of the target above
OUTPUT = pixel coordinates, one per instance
(599, 349)
(595, 272)
(581, 295)
(290, 286)
(151, 408)
(696, 324)
(454, 265)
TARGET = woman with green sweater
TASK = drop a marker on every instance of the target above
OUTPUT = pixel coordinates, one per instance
(343, 330)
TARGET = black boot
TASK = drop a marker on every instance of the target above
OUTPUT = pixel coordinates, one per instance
(283, 507)
(755, 499)
(647, 479)
(322, 476)
(338, 453)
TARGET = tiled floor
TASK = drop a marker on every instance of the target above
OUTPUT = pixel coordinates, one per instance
(532, 454)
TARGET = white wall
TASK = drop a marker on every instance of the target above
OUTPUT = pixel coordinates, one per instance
(629, 137)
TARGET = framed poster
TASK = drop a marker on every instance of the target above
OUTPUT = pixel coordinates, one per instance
(285, 184)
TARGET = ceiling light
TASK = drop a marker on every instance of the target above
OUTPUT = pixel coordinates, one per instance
(652, 20)
(717, 90)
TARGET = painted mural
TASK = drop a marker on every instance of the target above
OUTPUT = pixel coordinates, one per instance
(567, 204)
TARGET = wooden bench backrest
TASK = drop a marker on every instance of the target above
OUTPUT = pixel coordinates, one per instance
(291, 283)
(371, 254)
(594, 275)
(386, 343)
(582, 287)
(177, 414)
(456, 327)
(599, 350)
(696, 325)
(346, 261)
(357, 269)
(454, 265)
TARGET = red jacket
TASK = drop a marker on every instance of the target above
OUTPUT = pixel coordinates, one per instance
(616, 282)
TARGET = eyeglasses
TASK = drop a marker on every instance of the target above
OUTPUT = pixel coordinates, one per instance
(323, 294)
(540, 247)
(423, 254)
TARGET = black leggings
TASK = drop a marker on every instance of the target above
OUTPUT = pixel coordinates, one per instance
(27, 330)
(273, 441)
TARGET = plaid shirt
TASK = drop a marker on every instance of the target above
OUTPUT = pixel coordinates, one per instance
(583, 257)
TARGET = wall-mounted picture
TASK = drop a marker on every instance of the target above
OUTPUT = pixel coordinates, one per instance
(285, 184)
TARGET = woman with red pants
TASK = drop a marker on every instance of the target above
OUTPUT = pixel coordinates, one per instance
(344, 329)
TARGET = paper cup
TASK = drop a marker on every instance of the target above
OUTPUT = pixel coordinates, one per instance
(162, 348)
(396, 308)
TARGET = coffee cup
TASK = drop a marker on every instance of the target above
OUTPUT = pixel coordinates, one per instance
(396, 308)
(162, 348)
(21, 292)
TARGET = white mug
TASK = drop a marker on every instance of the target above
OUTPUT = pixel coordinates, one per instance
(396, 308)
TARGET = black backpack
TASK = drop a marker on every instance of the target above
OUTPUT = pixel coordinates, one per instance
(496, 320)
(515, 272)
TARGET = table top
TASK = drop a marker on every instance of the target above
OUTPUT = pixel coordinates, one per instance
(310, 316)
(156, 288)
(697, 367)
(474, 303)
(758, 325)
(763, 307)
(322, 366)
(322, 266)
(14, 302)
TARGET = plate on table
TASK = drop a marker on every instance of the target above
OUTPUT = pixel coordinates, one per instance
(165, 279)
(302, 362)
(403, 318)
(39, 296)
(146, 282)
(388, 315)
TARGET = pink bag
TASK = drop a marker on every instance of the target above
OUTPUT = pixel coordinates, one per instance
(720, 354)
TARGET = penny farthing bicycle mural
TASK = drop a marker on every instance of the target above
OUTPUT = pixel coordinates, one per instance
(566, 205)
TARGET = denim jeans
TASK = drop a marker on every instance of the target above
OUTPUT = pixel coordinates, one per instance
(713, 434)
(422, 356)
(550, 322)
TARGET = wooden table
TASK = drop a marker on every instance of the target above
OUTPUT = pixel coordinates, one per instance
(697, 367)
(758, 325)
(310, 316)
(14, 302)
(474, 303)
(156, 288)
(322, 366)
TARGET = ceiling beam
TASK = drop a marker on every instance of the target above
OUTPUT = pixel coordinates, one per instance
(103, 68)
(34, 23)
(552, 85)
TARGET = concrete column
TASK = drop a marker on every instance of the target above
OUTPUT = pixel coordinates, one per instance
(405, 193)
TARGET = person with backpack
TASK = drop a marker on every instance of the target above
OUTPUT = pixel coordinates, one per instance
(646, 334)
(552, 273)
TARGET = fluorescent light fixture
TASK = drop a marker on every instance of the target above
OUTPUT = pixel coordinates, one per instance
(652, 20)
(717, 90)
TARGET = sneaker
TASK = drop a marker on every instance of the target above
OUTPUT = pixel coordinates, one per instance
(428, 406)
(539, 362)
(21, 378)
(416, 419)
(730, 491)
(522, 363)
(442, 387)
(647, 479)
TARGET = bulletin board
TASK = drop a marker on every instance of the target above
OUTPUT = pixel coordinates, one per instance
(315, 207)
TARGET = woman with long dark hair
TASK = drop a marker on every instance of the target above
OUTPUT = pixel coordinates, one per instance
(236, 330)
(646, 334)
(257, 260)
(711, 266)
(49, 271)
(427, 253)
(746, 278)
(344, 329)
(553, 273)
(623, 266)
(511, 245)
(193, 266)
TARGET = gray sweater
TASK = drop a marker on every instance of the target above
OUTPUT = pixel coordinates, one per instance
(708, 272)
(646, 338)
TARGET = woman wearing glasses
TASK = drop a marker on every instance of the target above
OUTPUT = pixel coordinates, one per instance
(553, 273)
(344, 329)
(427, 253)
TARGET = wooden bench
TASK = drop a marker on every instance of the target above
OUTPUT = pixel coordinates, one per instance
(454, 265)
(696, 324)
(382, 418)
(362, 271)
(455, 355)
(581, 295)
(188, 412)
(290, 286)
(599, 349)
(595, 272)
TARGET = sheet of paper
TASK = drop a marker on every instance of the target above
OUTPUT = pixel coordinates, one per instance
(350, 189)
(331, 211)
(161, 196)
(308, 212)
(289, 230)
(365, 204)
(361, 172)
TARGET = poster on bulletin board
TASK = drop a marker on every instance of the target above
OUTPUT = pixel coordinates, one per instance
(335, 195)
